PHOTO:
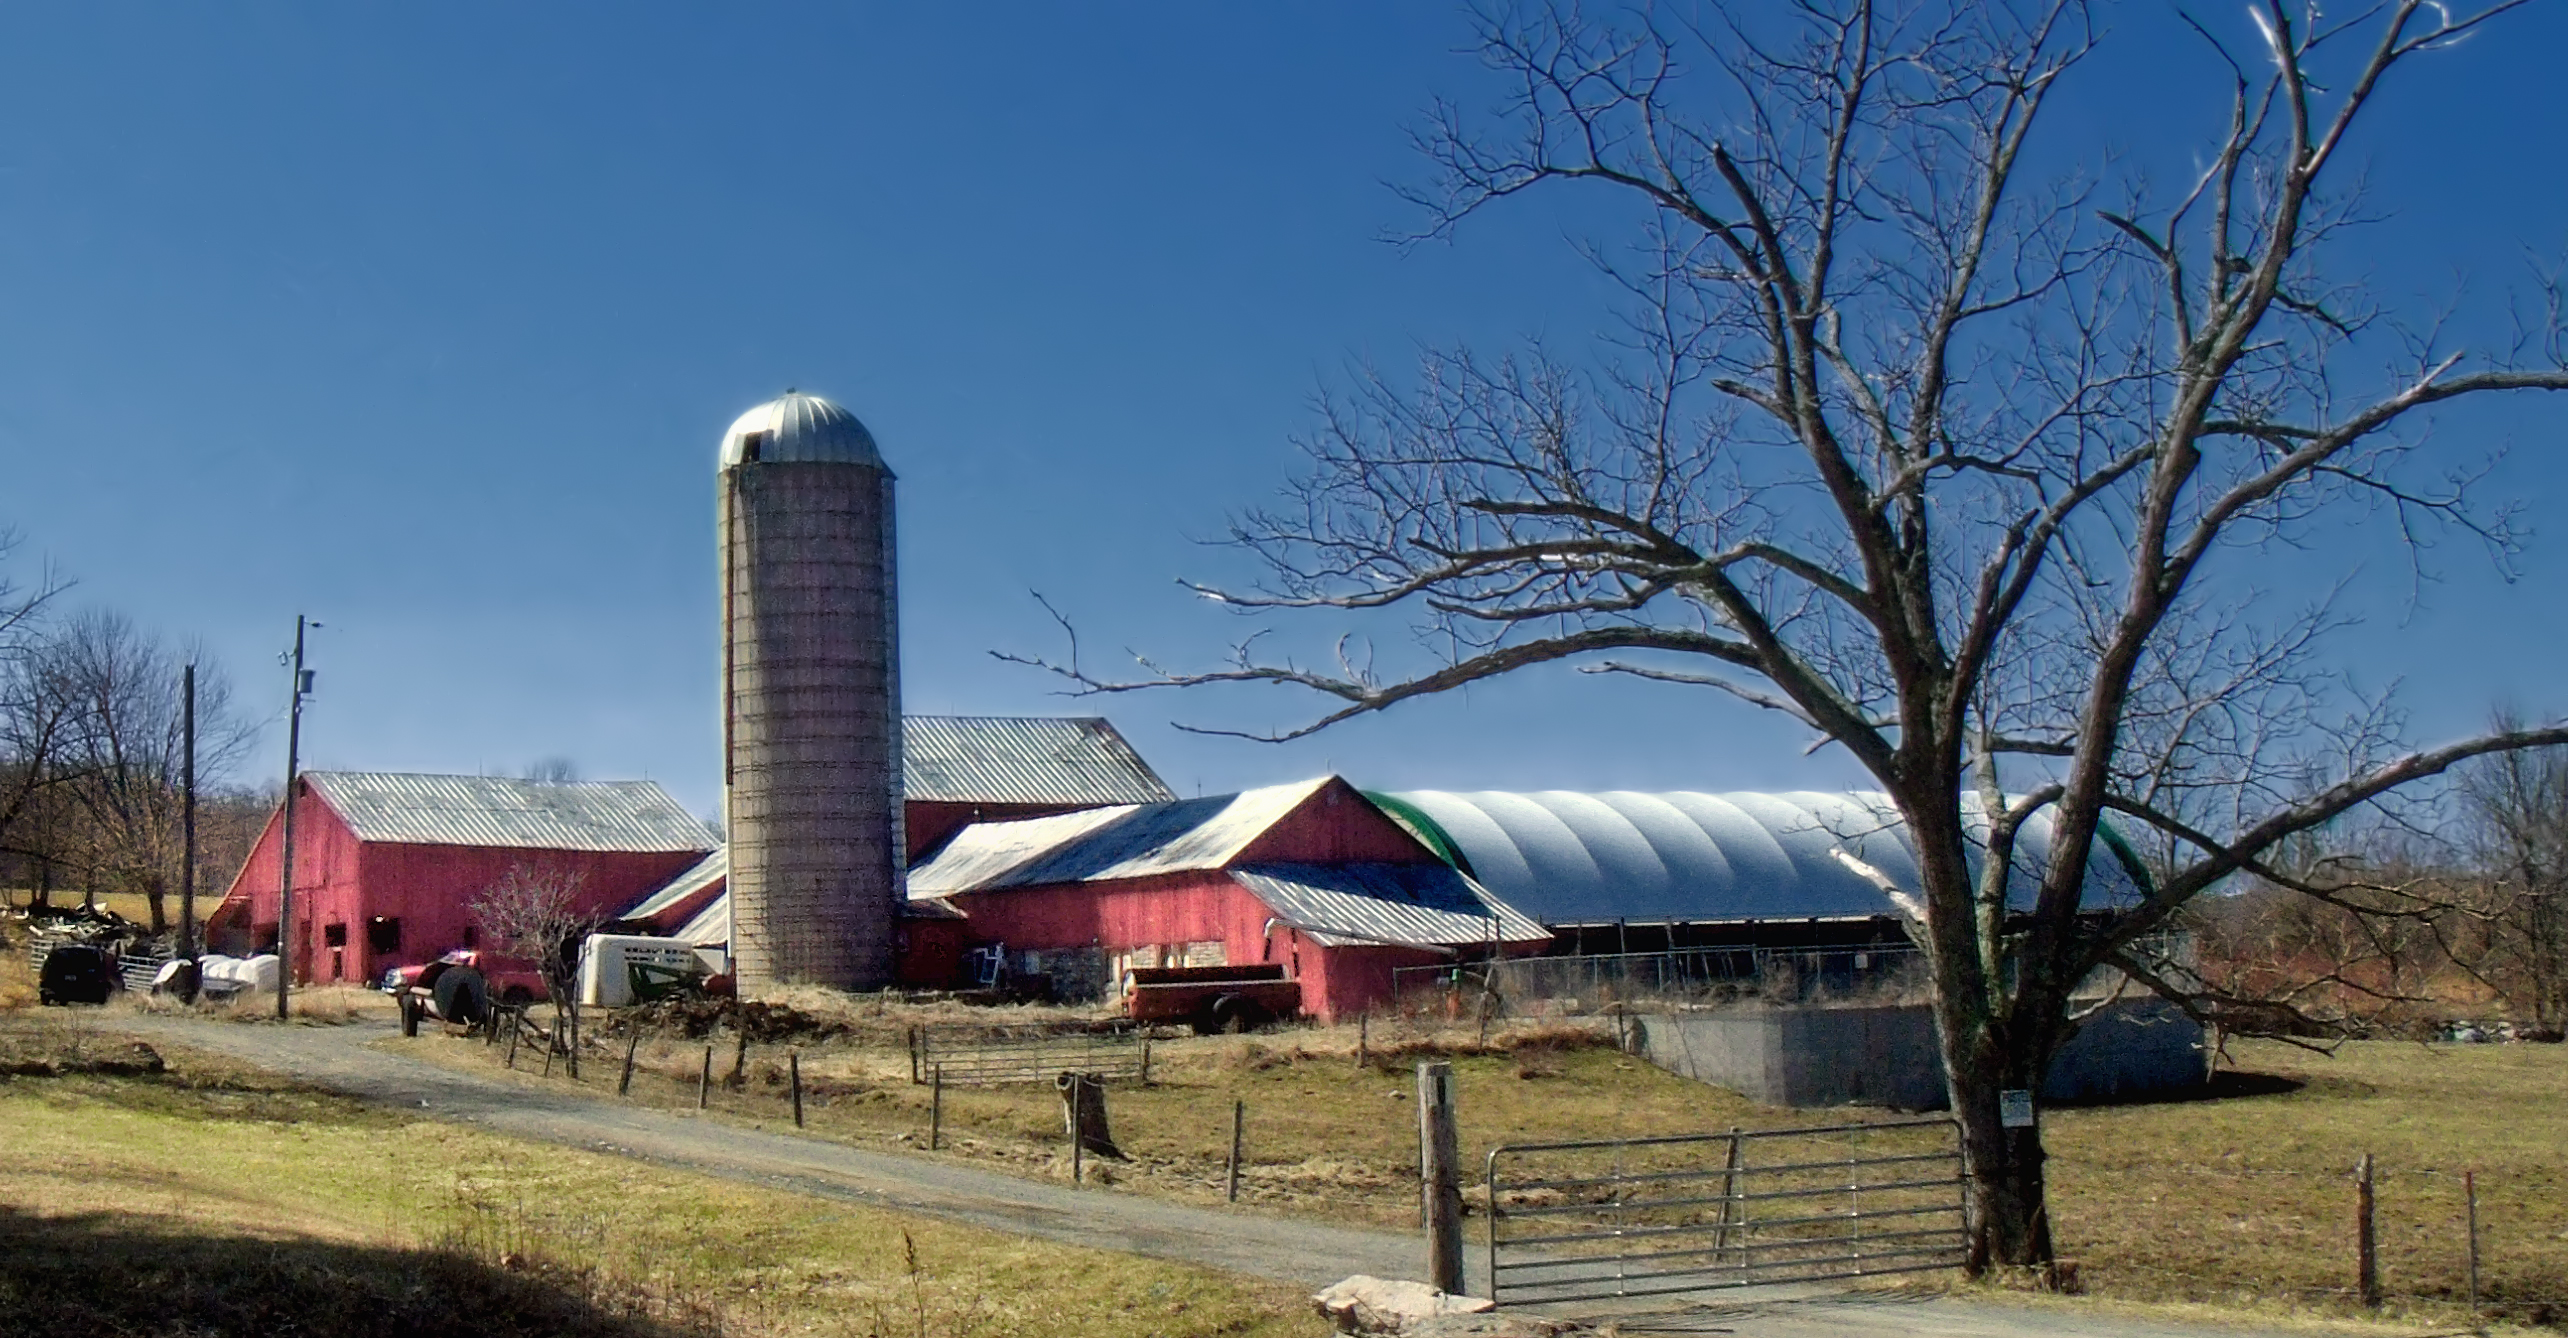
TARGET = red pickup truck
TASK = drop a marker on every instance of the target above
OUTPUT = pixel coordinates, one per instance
(1211, 998)
(461, 986)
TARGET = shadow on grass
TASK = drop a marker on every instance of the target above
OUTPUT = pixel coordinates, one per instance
(111, 1275)
(2226, 1085)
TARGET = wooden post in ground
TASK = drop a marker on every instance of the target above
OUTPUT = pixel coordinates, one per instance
(518, 1025)
(1440, 1176)
(2367, 1257)
(1363, 1039)
(552, 1042)
(1239, 1127)
(739, 1063)
(704, 1080)
(1145, 1059)
(793, 1066)
(936, 1110)
(2470, 1192)
(1078, 1136)
(624, 1085)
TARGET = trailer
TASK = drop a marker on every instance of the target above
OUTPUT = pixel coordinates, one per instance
(1211, 998)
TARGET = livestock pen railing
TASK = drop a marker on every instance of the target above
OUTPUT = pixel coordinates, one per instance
(1600, 982)
(1606, 1218)
(1699, 977)
(977, 1057)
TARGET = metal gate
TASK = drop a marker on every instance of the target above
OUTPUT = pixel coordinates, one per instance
(972, 1057)
(1657, 1216)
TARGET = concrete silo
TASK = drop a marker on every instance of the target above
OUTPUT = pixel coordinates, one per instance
(811, 701)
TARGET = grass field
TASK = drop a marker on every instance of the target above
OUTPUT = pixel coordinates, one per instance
(238, 1201)
(2244, 1196)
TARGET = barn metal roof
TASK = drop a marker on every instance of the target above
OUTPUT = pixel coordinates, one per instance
(1569, 858)
(697, 880)
(981, 759)
(1125, 841)
(801, 429)
(711, 926)
(403, 809)
(1424, 904)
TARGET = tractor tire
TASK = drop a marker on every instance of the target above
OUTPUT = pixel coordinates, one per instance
(1235, 1013)
(463, 997)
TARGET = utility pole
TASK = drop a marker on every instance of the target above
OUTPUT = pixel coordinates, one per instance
(187, 823)
(302, 684)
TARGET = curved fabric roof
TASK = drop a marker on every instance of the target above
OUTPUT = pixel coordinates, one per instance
(1571, 858)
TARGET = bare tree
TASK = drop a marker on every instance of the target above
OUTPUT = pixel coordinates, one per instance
(535, 913)
(1960, 467)
(36, 715)
(552, 771)
(123, 757)
(2516, 807)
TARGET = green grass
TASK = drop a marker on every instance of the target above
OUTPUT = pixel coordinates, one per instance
(252, 1199)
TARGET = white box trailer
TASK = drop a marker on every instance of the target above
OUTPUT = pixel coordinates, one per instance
(606, 977)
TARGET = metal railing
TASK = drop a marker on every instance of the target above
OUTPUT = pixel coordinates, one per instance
(974, 1057)
(1602, 982)
(1606, 1218)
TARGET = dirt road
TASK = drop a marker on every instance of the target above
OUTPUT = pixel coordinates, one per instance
(343, 1059)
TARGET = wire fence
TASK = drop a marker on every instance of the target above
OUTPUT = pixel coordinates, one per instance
(1682, 978)
(2374, 1233)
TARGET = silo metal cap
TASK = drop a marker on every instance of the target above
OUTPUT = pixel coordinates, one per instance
(800, 429)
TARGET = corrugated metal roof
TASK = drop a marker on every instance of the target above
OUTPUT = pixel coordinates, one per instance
(1126, 841)
(697, 880)
(1425, 904)
(977, 759)
(1572, 858)
(711, 927)
(801, 429)
(635, 816)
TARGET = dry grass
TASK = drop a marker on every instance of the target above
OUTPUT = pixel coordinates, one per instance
(2209, 1201)
(2252, 1195)
(1324, 1137)
(250, 1200)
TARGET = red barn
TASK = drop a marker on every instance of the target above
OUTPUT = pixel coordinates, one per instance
(1312, 876)
(955, 770)
(387, 865)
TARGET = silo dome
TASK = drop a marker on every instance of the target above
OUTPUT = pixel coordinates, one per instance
(799, 429)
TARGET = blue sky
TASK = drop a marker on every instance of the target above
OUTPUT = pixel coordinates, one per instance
(425, 321)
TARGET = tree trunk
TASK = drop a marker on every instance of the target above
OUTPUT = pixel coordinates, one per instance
(156, 892)
(2006, 1217)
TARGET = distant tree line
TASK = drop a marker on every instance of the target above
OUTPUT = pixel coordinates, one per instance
(2463, 905)
(92, 758)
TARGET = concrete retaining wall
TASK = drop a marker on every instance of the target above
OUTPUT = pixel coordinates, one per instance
(1885, 1055)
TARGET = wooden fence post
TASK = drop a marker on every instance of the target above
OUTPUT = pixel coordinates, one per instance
(2367, 1258)
(793, 1065)
(1239, 1128)
(2470, 1192)
(1078, 1136)
(624, 1085)
(517, 1024)
(704, 1080)
(936, 1110)
(1439, 1176)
